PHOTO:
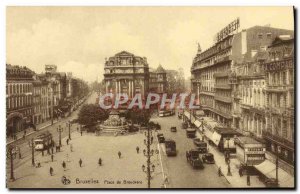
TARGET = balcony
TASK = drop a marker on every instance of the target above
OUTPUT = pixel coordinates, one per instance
(279, 140)
(223, 86)
(223, 99)
(221, 60)
(276, 88)
(221, 74)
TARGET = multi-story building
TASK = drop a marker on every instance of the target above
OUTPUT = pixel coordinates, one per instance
(214, 78)
(126, 73)
(19, 98)
(279, 67)
(157, 80)
(45, 109)
(251, 90)
(37, 114)
(57, 88)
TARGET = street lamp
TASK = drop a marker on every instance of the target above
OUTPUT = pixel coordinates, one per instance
(59, 130)
(31, 145)
(10, 155)
(148, 152)
(69, 123)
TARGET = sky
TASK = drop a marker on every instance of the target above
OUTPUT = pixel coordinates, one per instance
(78, 39)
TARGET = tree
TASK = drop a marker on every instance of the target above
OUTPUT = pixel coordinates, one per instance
(90, 114)
(139, 116)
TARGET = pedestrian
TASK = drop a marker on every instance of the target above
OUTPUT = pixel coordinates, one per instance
(77, 129)
(248, 180)
(71, 147)
(51, 171)
(219, 171)
(20, 155)
(64, 165)
(52, 157)
(119, 154)
(137, 149)
(240, 172)
(81, 132)
(80, 162)
(229, 171)
(100, 162)
(67, 141)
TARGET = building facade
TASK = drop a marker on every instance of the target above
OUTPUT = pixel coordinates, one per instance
(279, 68)
(19, 98)
(126, 73)
(214, 72)
(158, 80)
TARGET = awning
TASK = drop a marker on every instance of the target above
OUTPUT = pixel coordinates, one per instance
(269, 170)
(187, 114)
(197, 123)
(216, 137)
(208, 134)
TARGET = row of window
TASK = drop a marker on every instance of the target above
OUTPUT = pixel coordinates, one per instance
(18, 88)
(18, 102)
(281, 78)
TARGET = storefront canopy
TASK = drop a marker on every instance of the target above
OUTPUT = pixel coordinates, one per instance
(216, 137)
(197, 123)
(269, 170)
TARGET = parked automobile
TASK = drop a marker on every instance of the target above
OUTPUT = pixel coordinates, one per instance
(190, 133)
(161, 138)
(170, 147)
(192, 156)
(201, 145)
(173, 129)
(208, 158)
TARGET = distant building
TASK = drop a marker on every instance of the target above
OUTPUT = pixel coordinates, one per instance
(126, 73)
(19, 98)
(157, 80)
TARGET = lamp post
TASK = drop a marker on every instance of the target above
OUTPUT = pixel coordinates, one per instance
(69, 123)
(148, 152)
(31, 145)
(59, 130)
(10, 155)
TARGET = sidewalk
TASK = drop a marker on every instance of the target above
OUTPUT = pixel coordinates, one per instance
(235, 180)
(29, 131)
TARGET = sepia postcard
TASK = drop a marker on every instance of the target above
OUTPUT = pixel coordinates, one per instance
(150, 97)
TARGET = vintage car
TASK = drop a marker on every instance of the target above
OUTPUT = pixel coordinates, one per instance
(192, 156)
(161, 138)
(173, 129)
(208, 158)
(201, 145)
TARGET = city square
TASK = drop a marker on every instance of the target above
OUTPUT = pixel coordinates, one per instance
(107, 104)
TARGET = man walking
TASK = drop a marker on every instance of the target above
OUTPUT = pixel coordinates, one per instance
(51, 171)
(52, 157)
(80, 162)
(219, 171)
(67, 141)
(100, 162)
(137, 149)
(119, 154)
(64, 165)
(81, 132)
